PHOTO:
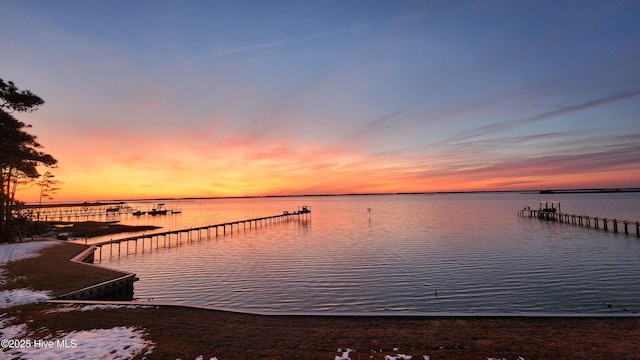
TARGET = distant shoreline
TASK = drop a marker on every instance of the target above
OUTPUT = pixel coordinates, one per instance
(119, 201)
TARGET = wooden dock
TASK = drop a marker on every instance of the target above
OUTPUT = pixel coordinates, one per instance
(90, 212)
(163, 239)
(596, 223)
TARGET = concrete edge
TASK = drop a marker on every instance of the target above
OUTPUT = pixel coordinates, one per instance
(110, 288)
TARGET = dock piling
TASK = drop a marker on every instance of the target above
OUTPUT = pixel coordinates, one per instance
(166, 236)
(581, 220)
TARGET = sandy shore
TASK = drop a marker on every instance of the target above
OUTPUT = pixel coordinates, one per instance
(174, 332)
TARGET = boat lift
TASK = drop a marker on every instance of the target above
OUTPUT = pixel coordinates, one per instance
(550, 206)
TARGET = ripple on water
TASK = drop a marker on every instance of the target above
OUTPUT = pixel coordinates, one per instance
(415, 254)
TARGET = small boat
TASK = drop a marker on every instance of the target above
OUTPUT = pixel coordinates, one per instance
(138, 213)
(305, 209)
(158, 210)
(116, 208)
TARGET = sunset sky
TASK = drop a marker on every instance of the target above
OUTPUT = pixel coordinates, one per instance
(215, 98)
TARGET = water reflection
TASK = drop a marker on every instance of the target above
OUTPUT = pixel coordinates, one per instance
(413, 253)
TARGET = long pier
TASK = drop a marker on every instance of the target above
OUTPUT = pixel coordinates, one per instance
(583, 220)
(222, 228)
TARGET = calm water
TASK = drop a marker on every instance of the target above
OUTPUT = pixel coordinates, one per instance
(467, 253)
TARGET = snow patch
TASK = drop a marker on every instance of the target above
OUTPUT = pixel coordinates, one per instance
(115, 343)
(345, 354)
(69, 308)
(19, 251)
(10, 298)
(8, 331)
(24, 250)
(398, 357)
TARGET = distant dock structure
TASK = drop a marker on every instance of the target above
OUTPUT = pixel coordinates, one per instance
(550, 211)
(195, 234)
(89, 212)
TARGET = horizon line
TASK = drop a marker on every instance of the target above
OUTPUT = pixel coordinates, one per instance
(540, 191)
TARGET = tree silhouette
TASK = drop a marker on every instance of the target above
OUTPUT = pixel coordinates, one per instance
(20, 153)
(16, 100)
(47, 188)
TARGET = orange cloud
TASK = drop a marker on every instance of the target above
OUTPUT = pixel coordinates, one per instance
(115, 161)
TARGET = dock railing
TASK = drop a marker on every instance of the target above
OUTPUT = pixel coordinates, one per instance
(218, 228)
(582, 220)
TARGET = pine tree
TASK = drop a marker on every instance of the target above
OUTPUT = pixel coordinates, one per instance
(20, 153)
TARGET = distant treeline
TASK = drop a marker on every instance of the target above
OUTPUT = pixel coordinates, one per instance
(590, 191)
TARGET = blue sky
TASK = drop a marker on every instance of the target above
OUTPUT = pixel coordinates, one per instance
(275, 97)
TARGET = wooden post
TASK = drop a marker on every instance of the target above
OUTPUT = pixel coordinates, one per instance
(615, 225)
(605, 224)
(626, 229)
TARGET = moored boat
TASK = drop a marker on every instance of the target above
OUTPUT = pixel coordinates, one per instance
(158, 210)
